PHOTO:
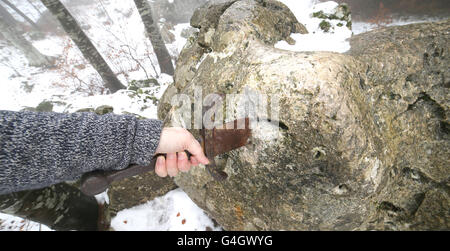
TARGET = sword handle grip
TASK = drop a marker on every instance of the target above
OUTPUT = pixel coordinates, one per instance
(97, 182)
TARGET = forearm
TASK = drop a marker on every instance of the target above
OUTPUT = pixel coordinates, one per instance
(41, 149)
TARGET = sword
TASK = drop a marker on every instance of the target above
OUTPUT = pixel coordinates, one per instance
(216, 141)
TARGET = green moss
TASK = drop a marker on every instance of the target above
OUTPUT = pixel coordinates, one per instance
(325, 26)
(343, 14)
(45, 106)
(104, 109)
(334, 17)
(345, 7)
(349, 25)
(320, 14)
(134, 85)
(134, 114)
(143, 90)
(86, 110)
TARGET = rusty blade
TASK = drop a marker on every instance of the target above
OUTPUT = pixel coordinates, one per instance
(229, 137)
(217, 141)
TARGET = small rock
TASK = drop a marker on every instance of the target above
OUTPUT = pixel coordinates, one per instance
(45, 106)
(104, 109)
(187, 32)
(86, 110)
(325, 26)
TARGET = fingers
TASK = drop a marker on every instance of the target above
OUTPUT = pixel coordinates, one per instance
(194, 161)
(160, 168)
(174, 140)
(183, 162)
(174, 164)
(171, 164)
(195, 148)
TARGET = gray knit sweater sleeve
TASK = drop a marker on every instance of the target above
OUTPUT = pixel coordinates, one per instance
(41, 149)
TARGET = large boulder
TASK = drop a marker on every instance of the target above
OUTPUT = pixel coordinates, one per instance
(406, 104)
(362, 141)
(137, 190)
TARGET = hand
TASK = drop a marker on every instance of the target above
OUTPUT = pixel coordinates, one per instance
(173, 142)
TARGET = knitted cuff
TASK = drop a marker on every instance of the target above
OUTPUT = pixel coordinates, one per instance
(146, 140)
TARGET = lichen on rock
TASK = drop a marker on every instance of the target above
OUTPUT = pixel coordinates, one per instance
(363, 140)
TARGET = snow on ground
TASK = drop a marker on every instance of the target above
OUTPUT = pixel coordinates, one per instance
(337, 39)
(122, 101)
(11, 223)
(361, 27)
(118, 33)
(316, 39)
(174, 211)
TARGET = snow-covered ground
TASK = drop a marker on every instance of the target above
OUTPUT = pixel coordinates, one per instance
(336, 40)
(117, 31)
(12, 223)
(316, 39)
(361, 27)
(173, 212)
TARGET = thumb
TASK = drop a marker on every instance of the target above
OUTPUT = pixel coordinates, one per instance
(195, 149)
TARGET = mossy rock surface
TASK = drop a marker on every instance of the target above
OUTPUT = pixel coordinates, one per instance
(45, 106)
(325, 26)
(364, 142)
(341, 13)
(104, 109)
(86, 110)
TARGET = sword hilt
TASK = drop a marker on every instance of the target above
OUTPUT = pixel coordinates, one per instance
(97, 182)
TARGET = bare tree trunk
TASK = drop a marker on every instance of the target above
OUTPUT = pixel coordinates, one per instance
(61, 207)
(85, 45)
(8, 18)
(34, 57)
(21, 14)
(152, 29)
